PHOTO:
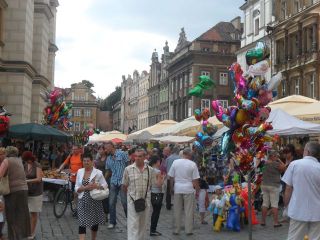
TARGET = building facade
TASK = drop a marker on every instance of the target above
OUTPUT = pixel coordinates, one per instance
(164, 84)
(154, 89)
(143, 101)
(296, 37)
(84, 107)
(258, 15)
(27, 56)
(210, 54)
(104, 120)
(116, 116)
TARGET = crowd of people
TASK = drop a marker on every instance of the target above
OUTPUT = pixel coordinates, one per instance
(143, 179)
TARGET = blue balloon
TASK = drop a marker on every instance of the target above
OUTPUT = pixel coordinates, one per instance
(274, 93)
(198, 146)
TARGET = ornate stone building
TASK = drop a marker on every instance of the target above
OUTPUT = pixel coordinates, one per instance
(296, 36)
(210, 54)
(258, 15)
(143, 101)
(27, 55)
(164, 84)
(84, 106)
(154, 89)
(116, 116)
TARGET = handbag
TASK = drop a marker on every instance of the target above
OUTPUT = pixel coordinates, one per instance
(98, 194)
(4, 185)
(156, 198)
(140, 204)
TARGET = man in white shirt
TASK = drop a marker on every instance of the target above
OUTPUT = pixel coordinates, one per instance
(302, 194)
(185, 176)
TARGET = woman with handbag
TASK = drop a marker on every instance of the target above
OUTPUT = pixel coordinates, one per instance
(34, 175)
(156, 196)
(92, 188)
(17, 200)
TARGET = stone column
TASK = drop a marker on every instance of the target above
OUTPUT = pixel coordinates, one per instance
(314, 37)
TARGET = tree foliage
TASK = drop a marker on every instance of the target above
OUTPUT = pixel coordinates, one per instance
(112, 99)
(87, 83)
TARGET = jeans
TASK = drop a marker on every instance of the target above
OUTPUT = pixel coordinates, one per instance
(168, 195)
(114, 191)
(155, 213)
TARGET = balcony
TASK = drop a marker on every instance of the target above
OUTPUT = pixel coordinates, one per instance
(310, 57)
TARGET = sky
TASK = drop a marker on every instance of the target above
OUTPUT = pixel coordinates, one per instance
(101, 40)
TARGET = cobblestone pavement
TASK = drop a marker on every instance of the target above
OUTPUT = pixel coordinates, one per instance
(66, 228)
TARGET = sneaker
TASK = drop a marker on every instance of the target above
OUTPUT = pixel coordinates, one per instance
(155, 233)
(111, 226)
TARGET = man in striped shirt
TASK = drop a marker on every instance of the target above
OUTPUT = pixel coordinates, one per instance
(116, 163)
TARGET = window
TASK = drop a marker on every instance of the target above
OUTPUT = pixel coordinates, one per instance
(87, 112)
(311, 86)
(223, 79)
(284, 88)
(296, 6)
(283, 9)
(205, 73)
(205, 103)
(190, 79)
(224, 103)
(256, 26)
(76, 126)
(297, 87)
(189, 107)
(76, 112)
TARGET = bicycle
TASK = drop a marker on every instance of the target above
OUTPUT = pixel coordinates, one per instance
(63, 197)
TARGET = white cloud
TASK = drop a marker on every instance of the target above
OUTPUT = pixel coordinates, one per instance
(96, 52)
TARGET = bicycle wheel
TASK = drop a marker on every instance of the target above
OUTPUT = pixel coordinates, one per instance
(73, 202)
(60, 203)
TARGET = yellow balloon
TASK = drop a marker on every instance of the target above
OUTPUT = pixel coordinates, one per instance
(241, 117)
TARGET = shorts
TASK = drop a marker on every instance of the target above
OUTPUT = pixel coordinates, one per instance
(270, 196)
(35, 204)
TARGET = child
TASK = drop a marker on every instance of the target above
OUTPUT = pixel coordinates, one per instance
(1, 215)
(203, 200)
(217, 206)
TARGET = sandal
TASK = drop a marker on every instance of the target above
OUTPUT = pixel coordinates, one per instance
(263, 224)
(277, 225)
(204, 222)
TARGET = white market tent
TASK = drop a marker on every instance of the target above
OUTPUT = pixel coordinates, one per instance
(310, 112)
(149, 132)
(285, 125)
(291, 102)
(188, 127)
(174, 139)
(108, 136)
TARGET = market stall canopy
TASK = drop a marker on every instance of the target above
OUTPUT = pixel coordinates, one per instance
(117, 140)
(141, 137)
(289, 103)
(310, 112)
(108, 136)
(37, 132)
(285, 125)
(188, 127)
(174, 139)
(152, 130)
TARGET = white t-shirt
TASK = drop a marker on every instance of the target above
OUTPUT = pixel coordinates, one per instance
(183, 171)
(304, 176)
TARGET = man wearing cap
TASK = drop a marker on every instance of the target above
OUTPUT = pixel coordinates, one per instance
(271, 186)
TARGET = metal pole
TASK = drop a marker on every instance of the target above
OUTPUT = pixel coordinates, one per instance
(249, 206)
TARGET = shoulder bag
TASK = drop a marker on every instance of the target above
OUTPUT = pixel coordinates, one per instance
(99, 194)
(140, 204)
